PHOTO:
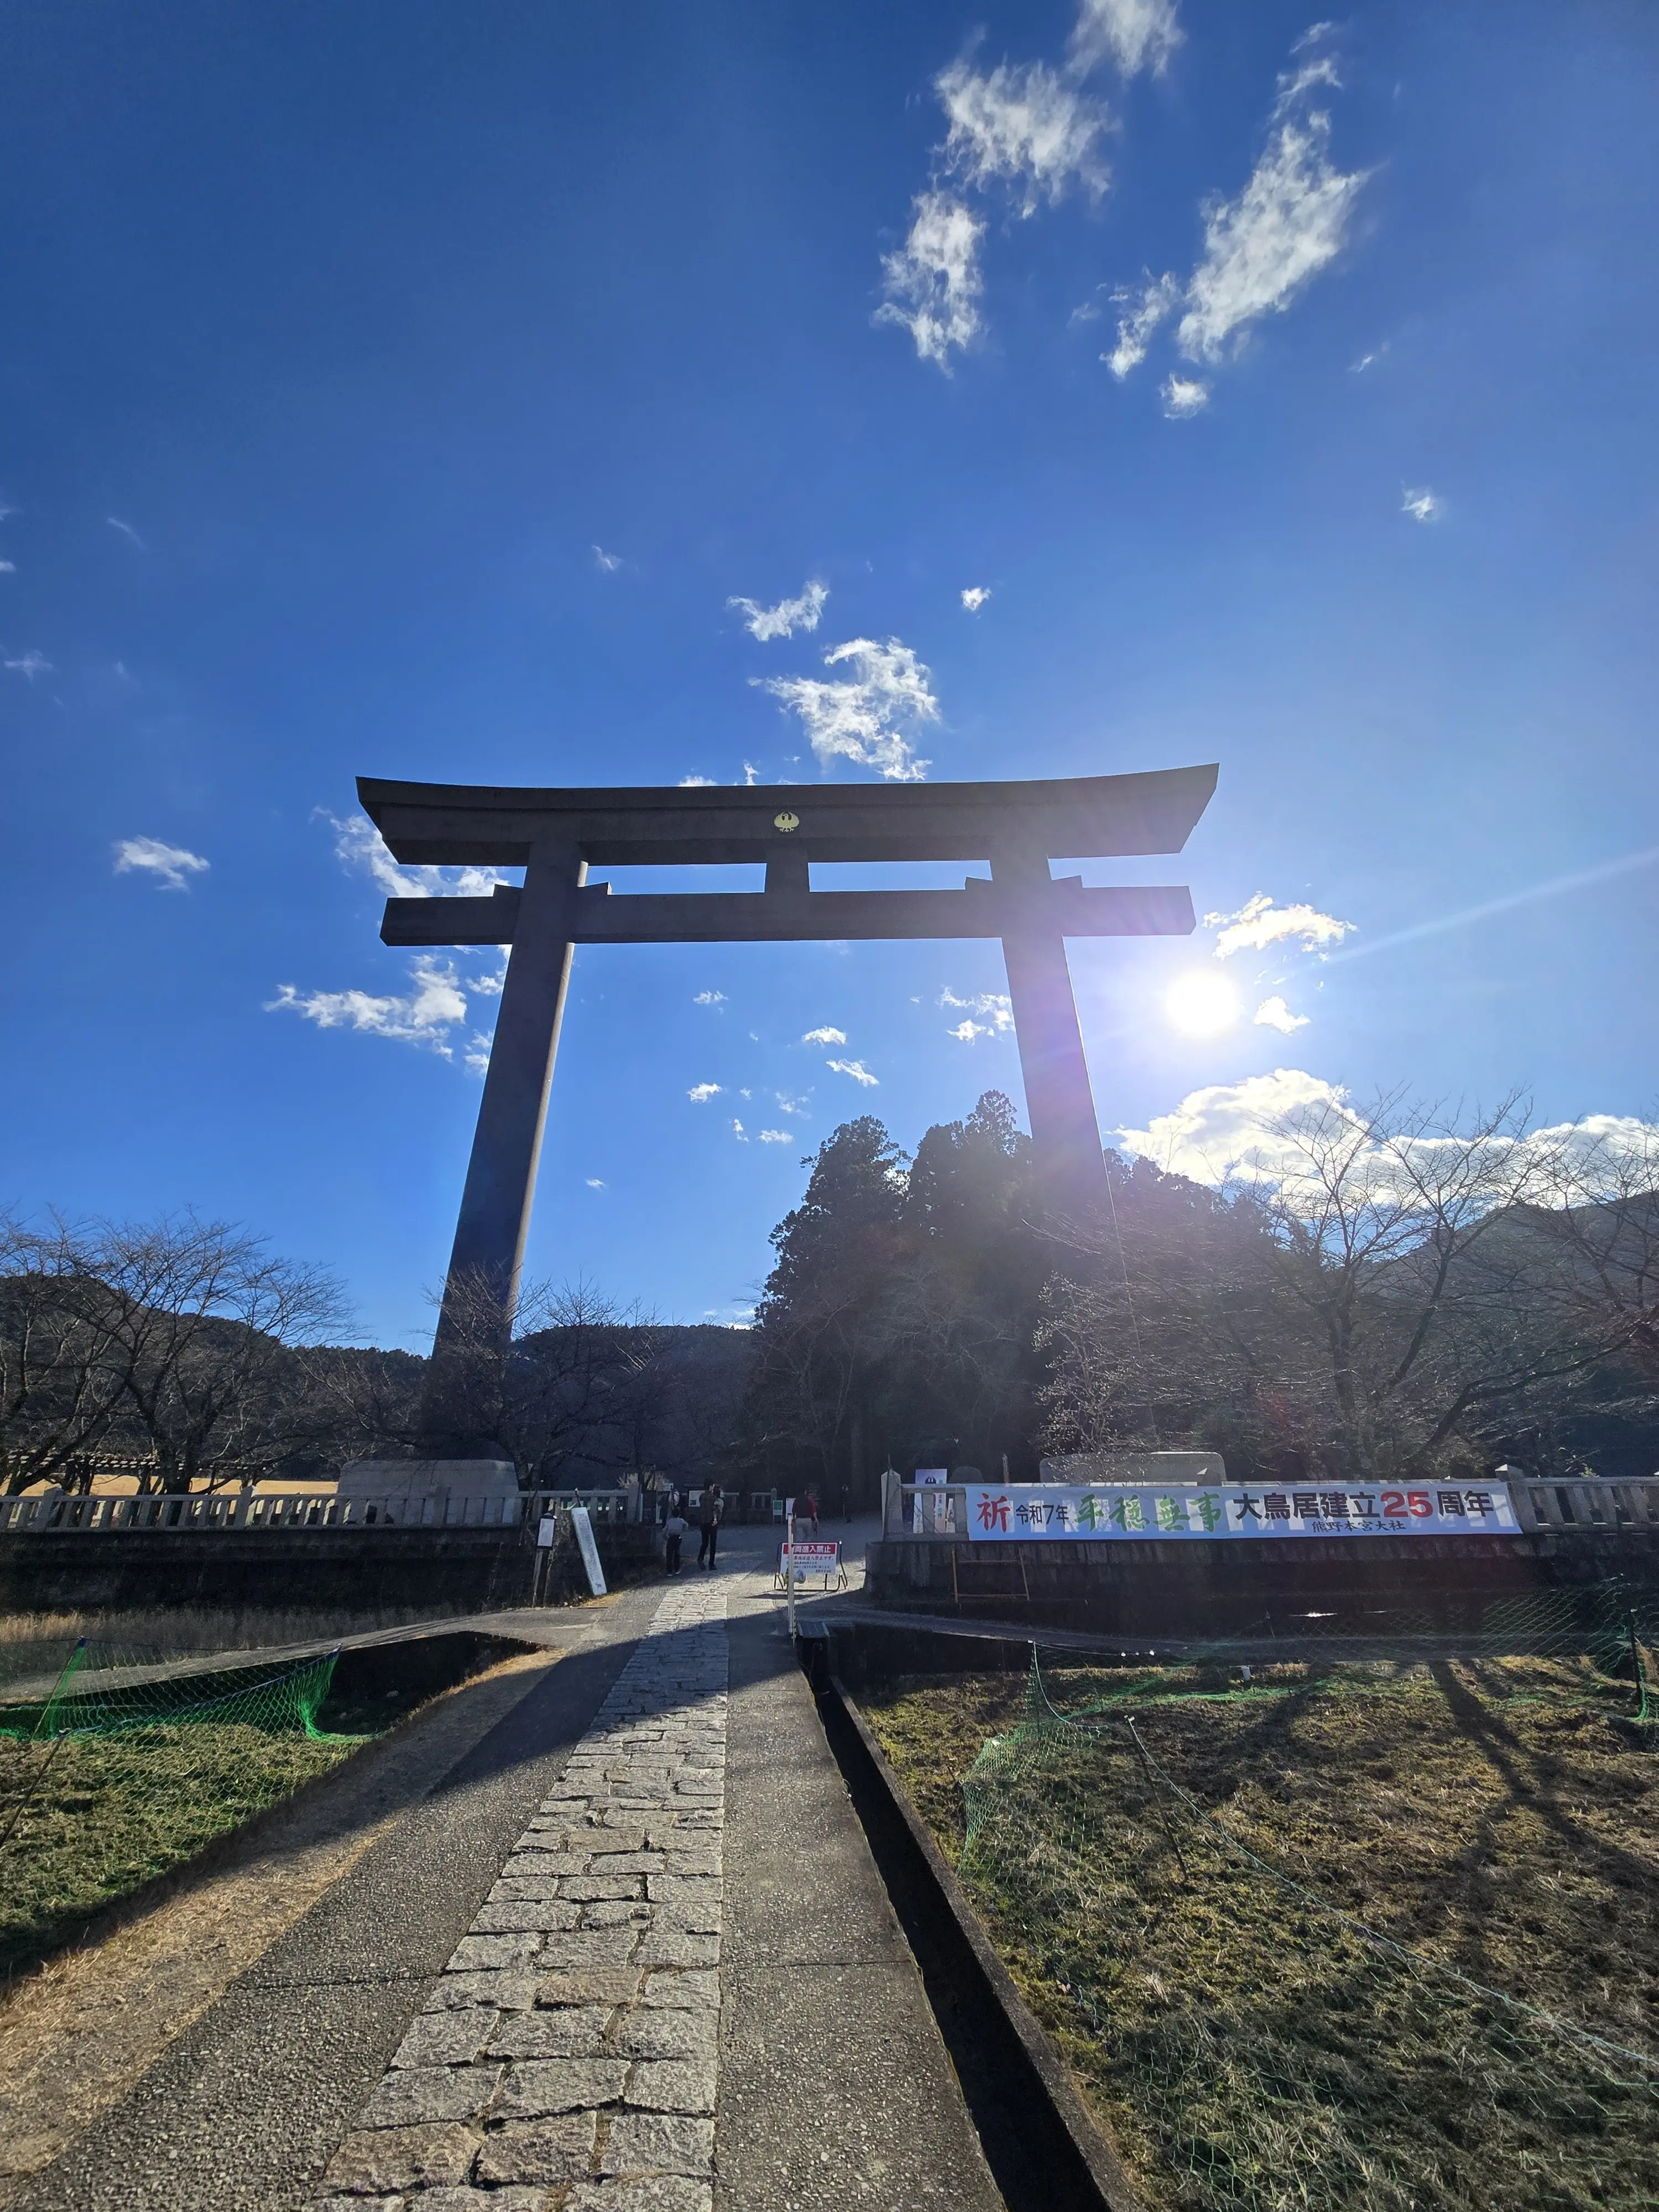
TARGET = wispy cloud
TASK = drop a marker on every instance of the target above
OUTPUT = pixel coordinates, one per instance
(606, 564)
(696, 783)
(709, 998)
(171, 866)
(739, 1132)
(1135, 35)
(933, 281)
(975, 596)
(1183, 397)
(788, 1103)
(996, 1009)
(1273, 1014)
(424, 1016)
(774, 1137)
(788, 617)
(126, 531)
(1023, 126)
(824, 1036)
(855, 1068)
(1145, 306)
(1289, 222)
(359, 849)
(596, 1182)
(1422, 505)
(30, 664)
(701, 1093)
(868, 717)
(7, 568)
(1259, 923)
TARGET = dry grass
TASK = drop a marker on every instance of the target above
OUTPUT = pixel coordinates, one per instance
(33, 1641)
(1242, 2048)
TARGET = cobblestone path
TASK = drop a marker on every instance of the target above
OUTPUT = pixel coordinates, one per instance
(565, 2060)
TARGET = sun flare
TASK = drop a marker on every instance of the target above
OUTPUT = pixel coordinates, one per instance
(1201, 1004)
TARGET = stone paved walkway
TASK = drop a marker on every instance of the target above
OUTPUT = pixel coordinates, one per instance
(566, 2059)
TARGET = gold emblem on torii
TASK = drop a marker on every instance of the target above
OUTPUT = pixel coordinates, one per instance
(786, 821)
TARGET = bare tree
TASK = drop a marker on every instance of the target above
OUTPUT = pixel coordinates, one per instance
(1361, 1291)
(60, 1378)
(574, 1383)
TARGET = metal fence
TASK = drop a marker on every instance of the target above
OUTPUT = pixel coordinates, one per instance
(211, 1512)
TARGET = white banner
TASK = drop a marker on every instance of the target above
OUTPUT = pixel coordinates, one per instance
(1093, 1513)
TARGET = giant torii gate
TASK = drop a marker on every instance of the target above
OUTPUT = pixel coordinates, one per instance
(556, 836)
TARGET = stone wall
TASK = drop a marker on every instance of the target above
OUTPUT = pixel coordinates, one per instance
(429, 1568)
(1195, 1588)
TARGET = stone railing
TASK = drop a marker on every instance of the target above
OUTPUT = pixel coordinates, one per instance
(211, 1512)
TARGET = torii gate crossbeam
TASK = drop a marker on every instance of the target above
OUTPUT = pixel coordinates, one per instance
(556, 836)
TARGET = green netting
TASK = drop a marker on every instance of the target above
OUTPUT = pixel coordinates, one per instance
(1255, 2046)
(105, 1693)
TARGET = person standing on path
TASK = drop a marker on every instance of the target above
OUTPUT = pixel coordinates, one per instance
(708, 1521)
(673, 1531)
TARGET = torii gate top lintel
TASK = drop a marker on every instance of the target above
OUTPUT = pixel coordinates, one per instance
(1074, 817)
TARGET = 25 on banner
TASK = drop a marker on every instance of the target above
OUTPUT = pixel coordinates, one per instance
(1025, 1512)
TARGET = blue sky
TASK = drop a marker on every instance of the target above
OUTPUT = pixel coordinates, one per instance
(410, 392)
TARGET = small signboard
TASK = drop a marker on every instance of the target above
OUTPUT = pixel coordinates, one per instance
(547, 1530)
(816, 1558)
(922, 1521)
(1052, 1511)
(590, 1551)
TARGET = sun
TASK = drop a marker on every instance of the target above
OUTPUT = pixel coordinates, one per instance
(1201, 1004)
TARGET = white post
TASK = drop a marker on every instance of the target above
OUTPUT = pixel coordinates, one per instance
(789, 1563)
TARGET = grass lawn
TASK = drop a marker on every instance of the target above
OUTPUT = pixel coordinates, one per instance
(111, 1813)
(1246, 2048)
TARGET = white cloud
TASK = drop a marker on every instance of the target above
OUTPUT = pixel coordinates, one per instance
(824, 1036)
(975, 596)
(126, 531)
(1136, 34)
(1318, 69)
(700, 1093)
(477, 1054)
(1422, 505)
(358, 845)
(1273, 1014)
(171, 865)
(696, 783)
(751, 774)
(1237, 1132)
(31, 664)
(7, 568)
(709, 998)
(1259, 250)
(855, 1068)
(1259, 923)
(739, 1132)
(774, 1137)
(866, 717)
(788, 617)
(606, 564)
(596, 1182)
(1146, 307)
(933, 281)
(996, 1006)
(1182, 396)
(1223, 1129)
(789, 1104)
(425, 1016)
(965, 1032)
(1023, 126)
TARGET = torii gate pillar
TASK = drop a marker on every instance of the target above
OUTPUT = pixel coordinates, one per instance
(554, 835)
